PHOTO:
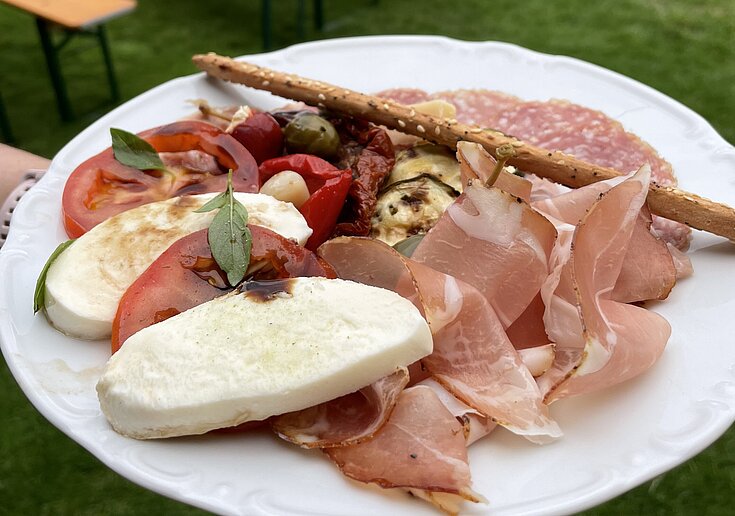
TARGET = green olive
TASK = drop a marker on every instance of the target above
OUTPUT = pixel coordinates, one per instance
(311, 134)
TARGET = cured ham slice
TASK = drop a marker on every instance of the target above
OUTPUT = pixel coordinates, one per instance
(600, 341)
(476, 362)
(674, 233)
(475, 425)
(472, 357)
(543, 188)
(561, 315)
(528, 330)
(639, 338)
(344, 421)
(495, 242)
(538, 359)
(446, 502)
(594, 137)
(476, 163)
(421, 446)
(682, 263)
(648, 271)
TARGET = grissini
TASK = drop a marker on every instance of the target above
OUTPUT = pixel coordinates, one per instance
(671, 203)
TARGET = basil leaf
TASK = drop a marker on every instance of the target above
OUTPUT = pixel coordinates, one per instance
(229, 237)
(226, 239)
(39, 296)
(133, 151)
(241, 211)
(214, 203)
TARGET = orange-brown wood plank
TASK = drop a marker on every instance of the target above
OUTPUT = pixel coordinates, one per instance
(75, 14)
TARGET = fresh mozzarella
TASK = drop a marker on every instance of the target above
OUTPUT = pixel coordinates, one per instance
(245, 357)
(85, 283)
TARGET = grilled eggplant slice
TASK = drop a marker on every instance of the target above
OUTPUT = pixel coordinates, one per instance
(426, 158)
(410, 207)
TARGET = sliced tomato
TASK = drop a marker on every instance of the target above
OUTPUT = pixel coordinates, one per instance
(102, 187)
(186, 275)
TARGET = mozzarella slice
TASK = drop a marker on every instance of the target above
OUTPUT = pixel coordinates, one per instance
(85, 283)
(243, 357)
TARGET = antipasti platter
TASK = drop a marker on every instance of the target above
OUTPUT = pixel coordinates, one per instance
(613, 440)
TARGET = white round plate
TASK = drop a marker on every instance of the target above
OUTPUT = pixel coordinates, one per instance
(613, 441)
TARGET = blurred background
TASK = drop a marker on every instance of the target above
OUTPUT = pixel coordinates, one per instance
(683, 48)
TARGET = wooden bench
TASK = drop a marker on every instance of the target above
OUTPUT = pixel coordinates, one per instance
(73, 17)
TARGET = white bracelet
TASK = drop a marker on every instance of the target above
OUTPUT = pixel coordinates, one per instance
(30, 178)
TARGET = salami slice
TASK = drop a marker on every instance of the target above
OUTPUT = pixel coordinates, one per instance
(480, 107)
(559, 125)
(585, 133)
(405, 95)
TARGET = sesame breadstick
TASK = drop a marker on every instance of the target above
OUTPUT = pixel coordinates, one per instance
(671, 203)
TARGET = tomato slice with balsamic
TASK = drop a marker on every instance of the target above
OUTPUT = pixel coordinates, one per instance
(186, 275)
(102, 186)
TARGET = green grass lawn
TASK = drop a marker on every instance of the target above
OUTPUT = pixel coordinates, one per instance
(683, 48)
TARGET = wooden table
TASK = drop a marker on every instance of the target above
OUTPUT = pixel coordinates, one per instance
(73, 17)
(75, 14)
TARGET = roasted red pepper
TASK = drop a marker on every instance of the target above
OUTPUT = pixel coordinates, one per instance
(328, 187)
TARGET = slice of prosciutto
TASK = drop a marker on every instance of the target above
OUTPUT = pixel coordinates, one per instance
(538, 359)
(475, 426)
(528, 330)
(422, 446)
(682, 263)
(599, 341)
(472, 357)
(475, 163)
(344, 421)
(648, 270)
(495, 242)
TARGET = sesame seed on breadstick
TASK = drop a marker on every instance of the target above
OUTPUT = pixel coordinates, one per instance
(671, 203)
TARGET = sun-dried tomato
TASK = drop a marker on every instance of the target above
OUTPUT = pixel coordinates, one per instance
(368, 152)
